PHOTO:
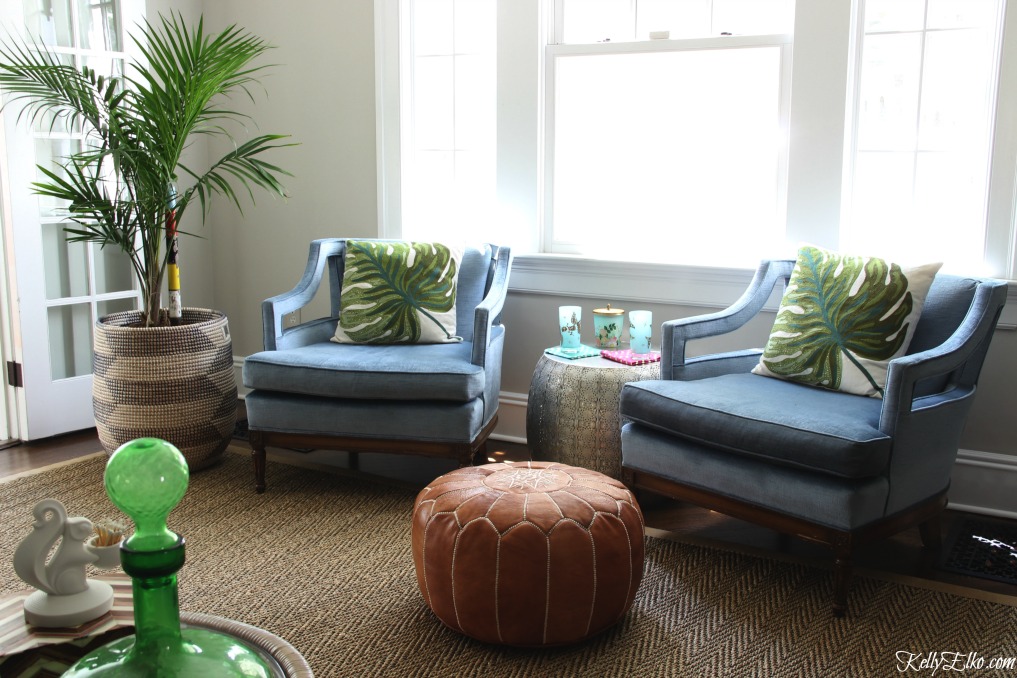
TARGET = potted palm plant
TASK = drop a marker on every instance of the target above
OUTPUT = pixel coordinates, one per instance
(163, 372)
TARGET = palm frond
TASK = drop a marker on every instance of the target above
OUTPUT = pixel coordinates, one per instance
(116, 189)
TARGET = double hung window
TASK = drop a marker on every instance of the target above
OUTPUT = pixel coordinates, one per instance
(923, 140)
(688, 131)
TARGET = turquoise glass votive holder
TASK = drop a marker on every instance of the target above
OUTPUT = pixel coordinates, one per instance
(640, 331)
(570, 323)
(608, 324)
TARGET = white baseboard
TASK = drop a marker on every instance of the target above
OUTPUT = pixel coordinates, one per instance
(238, 370)
(982, 482)
(511, 418)
(985, 482)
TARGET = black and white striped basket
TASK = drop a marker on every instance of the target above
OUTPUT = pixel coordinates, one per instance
(174, 382)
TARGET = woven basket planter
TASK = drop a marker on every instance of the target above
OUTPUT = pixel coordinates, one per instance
(174, 382)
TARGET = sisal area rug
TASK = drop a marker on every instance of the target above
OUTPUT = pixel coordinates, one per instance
(324, 561)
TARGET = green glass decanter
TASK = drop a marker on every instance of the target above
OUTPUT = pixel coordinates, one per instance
(146, 479)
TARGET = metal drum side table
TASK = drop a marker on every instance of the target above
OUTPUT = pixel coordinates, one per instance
(572, 410)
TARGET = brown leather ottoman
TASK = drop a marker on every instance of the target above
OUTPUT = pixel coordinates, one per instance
(528, 553)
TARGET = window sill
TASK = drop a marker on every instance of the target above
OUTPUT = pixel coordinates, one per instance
(610, 281)
(605, 281)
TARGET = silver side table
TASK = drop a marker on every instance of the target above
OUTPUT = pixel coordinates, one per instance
(572, 410)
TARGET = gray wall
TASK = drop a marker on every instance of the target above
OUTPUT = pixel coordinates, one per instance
(323, 94)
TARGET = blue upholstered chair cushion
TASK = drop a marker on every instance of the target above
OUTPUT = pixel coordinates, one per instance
(787, 423)
(391, 372)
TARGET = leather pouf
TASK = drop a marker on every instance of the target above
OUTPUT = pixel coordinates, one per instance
(528, 553)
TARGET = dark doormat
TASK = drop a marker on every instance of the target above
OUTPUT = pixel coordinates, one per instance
(983, 548)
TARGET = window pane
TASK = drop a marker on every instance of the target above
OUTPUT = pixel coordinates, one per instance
(881, 209)
(50, 21)
(888, 107)
(475, 102)
(753, 17)
(434, 101)
(433, 27)
(920, 179)
(955, 92)
(589, 21)
(689, 165)
(474, 24)
(98, 25)
(962, 13)
(448, 170)
(949, 207)
(452, 190)
(894, 15)
(688, 19)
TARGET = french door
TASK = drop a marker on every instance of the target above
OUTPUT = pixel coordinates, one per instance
(58, 288)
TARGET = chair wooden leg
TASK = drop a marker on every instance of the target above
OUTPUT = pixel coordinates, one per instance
(258, 457)
(475, 458)
(841, 580)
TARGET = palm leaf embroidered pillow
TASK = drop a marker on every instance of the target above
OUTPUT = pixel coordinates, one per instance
(843, 319)
(398, 292)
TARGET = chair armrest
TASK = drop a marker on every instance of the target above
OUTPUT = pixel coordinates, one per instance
(675, 334)
(488, 312)
(968, 342)
(716, 364)
(273, 309)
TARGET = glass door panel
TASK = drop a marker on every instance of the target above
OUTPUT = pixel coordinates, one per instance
(66, 263)
(49, 20)
(113, 272)
(104, 308)
(70, 340)
(49, 153)
(99, 25)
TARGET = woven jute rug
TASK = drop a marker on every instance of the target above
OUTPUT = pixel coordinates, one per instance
(324, 561)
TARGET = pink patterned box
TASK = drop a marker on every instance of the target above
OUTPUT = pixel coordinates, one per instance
(627, 357)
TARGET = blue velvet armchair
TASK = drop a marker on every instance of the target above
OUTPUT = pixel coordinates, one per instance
(434, 400)
(827, 466)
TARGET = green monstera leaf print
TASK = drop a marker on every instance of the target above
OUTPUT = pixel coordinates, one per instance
(837, 308)
(395, 292)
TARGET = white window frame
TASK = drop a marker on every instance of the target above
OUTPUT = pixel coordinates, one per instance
(553, 244)
(825, 41)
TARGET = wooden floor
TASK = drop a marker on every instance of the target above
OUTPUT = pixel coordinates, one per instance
(900, 555)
